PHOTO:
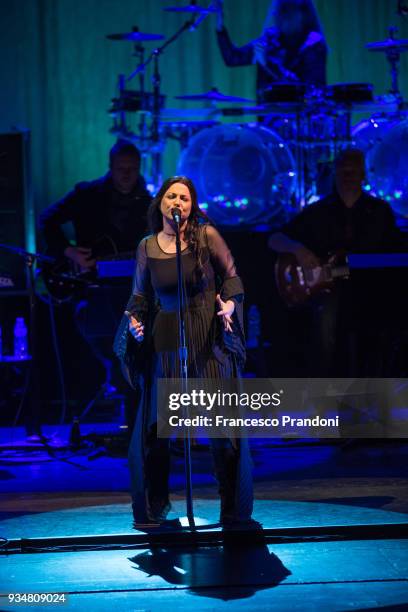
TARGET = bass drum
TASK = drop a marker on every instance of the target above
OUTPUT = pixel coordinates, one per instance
(244, 174)
(384, 139)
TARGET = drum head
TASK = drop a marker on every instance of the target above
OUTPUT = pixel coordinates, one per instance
(243, 174)
(385, 142)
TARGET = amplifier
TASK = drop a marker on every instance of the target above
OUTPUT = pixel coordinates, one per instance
(17, 219)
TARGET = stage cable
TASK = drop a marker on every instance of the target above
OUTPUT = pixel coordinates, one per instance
(51, 305)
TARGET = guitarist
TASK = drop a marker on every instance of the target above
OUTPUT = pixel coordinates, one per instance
(108, 216)
(345, 325)
(110, 210)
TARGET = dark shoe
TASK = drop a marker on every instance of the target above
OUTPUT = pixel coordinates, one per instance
(158, 510)
(245, 524)
(153, 526)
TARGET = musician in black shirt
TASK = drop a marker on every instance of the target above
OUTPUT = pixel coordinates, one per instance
(108, 216)
(347, 322)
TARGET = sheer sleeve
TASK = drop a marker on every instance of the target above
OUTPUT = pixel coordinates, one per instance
(231, 289)
(134, 355)
(141, 291)
(224, 265)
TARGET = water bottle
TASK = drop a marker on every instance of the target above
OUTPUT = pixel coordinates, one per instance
(20, 339)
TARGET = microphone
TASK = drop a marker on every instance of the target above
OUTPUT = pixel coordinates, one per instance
(176, 214)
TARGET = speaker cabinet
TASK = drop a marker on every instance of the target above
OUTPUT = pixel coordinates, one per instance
(17, 219)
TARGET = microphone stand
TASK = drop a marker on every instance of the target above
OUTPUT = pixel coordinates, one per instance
(183, 360)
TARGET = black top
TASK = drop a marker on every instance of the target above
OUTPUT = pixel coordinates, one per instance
(212, 352)
(328, 225)
(102, 217)
(306, 65)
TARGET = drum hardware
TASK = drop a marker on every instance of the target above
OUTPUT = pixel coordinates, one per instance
(191, 8)
(131, 101)
(185, 113)
(213, 96)
(182, 131)
(239, 111)
(350, 93)
(392, 48)
(135, 36)
(126, 101)
(244, 174)
(312, 124)
(315, 128)
(284, 92)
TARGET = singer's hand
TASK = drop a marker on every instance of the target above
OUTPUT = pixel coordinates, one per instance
(135, 327)
(226, 310)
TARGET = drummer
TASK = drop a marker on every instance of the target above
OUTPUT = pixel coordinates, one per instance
(291, 49)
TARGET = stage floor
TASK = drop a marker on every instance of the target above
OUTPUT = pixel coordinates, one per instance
(62, 493)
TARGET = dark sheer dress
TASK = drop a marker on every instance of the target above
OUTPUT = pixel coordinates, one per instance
(212, 353)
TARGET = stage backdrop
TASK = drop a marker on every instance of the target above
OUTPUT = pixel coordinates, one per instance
(59, 71)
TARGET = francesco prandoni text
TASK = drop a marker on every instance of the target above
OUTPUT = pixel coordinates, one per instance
(253, 401)
(222, 421)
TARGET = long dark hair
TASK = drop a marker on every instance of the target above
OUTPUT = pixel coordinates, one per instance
(197, 217)
(284, 12)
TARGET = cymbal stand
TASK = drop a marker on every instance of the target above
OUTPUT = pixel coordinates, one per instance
(300, 161)
(155, 131)
(393, 57)
(139, 52)
(122, 113)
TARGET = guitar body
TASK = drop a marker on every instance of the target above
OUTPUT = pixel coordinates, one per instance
(297, 285)
(64, 280)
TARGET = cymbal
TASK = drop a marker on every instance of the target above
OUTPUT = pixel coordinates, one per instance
(135, 36)
(190, 8)
(213, 95)
(391, 44)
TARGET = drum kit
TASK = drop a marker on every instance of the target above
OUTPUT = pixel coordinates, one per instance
(277, 155)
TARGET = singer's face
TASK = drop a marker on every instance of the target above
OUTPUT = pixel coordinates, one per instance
(177, 195)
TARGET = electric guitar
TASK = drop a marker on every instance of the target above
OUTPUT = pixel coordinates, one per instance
(297, 285)
(65, 280)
